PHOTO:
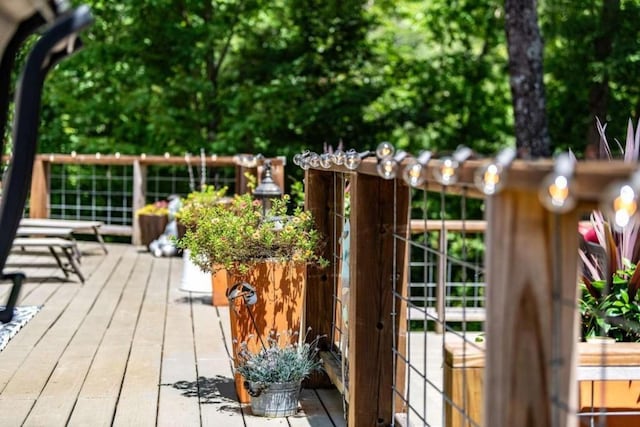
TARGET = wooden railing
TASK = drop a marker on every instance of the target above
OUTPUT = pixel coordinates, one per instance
(39, 203)
(531, 261)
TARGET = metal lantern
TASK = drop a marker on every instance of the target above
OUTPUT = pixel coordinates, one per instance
(267, 189)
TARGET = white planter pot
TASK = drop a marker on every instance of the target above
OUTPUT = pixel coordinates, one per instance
(194, 279)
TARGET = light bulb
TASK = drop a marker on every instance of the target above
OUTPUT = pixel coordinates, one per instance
(143, 156)
(297, 158)
(314, 160)
(413, 173)
(490, 178)
(167, 155)
(557, 192)
(117, 154)
(325, 160)
(620, 202)
(338, 157)
(447, 172)
(73, 154)
(352, 160)
(304, 163)
(387, 168)
(384, 150)
(98, 155)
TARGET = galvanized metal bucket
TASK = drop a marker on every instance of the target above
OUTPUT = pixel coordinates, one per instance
(276, 400)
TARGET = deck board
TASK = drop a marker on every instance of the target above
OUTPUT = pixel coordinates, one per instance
(127, 348)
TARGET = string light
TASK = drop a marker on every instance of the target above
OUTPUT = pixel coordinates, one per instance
(338, 157)
(325, 160)
(98, 155)
(620, 201)
(414, 171)
(490, 178)
(74, 154)
(314, 160)
(143, 156)
(447, 172)
(167, 155)
(384, 150)
(556, 192)
(388, 167)
(353, 159)
(117, 155)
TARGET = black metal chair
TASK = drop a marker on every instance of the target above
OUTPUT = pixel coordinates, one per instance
(57, 41)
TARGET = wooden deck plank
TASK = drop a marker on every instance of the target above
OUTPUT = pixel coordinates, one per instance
(104, 376)
(332, 401)
(312, 413)
(178, 360)
(59, 395)
(218, 401)
(138, 401)
(32, 375)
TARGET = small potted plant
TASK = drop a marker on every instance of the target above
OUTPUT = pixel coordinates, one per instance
(268, 252)
(152, 220)
(273, 375)
(191, 212)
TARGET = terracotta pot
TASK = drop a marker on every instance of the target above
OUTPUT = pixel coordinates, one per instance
(280, 288)
(151, 227)
(219, 288)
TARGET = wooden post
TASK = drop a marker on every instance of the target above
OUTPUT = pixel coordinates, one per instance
(532, 261)
(324, 199)
(379, 208)
(139, 197)
(39, 199)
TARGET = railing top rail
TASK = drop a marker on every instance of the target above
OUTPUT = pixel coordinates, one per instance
(591, 177)
(126, 159)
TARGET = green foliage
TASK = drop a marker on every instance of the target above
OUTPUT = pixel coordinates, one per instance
(281, 361)
(196, 204)
(236, 236)
(614, 311)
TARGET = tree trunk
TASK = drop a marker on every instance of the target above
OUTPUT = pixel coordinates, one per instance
(602, 45)
(525, 48)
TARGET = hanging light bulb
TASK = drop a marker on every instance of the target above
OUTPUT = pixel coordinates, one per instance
(388, 167)
(384, 150)
(620, 201)
(314, 160)
(352, 160)
(556, 191)
(414, 171)
(304, 163)
(447, 172)
(338, 157)
(490, 178)
(298, 158)
(325, 160)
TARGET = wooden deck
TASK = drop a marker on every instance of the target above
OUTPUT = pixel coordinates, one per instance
(127, 348)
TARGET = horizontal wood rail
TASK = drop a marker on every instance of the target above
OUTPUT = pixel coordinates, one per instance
(41, 183)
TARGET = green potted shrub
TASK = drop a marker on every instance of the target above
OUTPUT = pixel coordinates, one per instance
(273, 375)
(193, 208)
(270, 253)
(152, 220)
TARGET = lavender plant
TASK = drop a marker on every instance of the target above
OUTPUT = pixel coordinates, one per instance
(283, 359)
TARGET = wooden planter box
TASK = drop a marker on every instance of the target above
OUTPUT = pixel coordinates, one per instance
(151, 227)
(280, 288)
(620, 392)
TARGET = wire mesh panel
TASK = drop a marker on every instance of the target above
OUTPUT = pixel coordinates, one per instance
(104, 192)
(91, 192)
(445, 312)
